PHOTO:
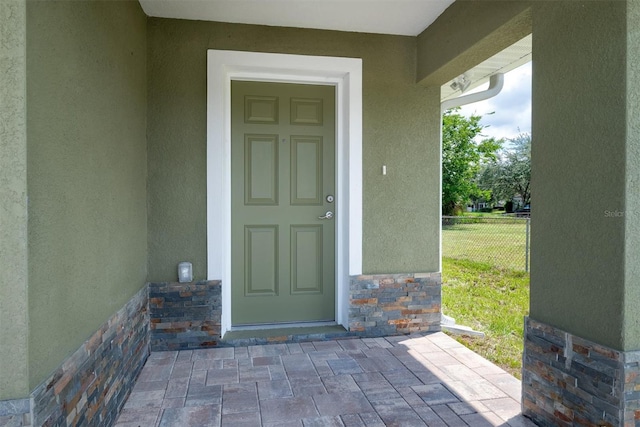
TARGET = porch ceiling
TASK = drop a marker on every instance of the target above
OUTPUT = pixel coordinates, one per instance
(406, 17)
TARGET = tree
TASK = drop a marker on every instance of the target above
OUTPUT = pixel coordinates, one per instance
(462, 157)
(509, 175)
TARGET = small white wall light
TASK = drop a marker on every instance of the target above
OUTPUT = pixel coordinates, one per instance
(185, 272)
(461, 83)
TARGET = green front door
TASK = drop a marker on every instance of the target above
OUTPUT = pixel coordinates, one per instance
(282, 181)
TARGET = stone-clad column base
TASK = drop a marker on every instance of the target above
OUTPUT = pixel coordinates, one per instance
(393, 304)
(568, 380)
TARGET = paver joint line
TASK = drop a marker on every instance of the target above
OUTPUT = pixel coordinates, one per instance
(402, 380)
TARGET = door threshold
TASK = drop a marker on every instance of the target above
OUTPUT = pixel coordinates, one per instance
(284, 333)
(260, 326)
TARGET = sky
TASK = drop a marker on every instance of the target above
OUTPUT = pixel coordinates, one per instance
(511, 107)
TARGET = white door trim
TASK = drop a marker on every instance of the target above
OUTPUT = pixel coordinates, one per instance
(344, 73)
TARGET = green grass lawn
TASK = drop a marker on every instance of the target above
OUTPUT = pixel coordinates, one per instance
(494, 242)
(488, 299)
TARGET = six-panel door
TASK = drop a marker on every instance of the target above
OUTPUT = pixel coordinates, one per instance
(283, 170)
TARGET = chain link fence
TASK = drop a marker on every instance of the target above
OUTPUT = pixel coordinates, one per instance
(499, 241)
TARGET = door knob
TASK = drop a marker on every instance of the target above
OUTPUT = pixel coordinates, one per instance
(327, 215)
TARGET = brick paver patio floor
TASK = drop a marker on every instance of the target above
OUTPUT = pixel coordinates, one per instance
(414, 380)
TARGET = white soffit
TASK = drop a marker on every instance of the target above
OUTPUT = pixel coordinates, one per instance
(400, 17)
(511, 58)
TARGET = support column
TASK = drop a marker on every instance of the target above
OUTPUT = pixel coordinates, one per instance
(582, 339)
(13, 206)
(632, 209)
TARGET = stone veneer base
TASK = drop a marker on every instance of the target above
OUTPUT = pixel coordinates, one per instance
(185, 316)
(568, 380)
(15, 413)
(91, 386)
(188, 315)
(395, 304)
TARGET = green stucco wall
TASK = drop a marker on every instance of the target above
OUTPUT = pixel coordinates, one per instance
(14, 370)
(632, 209)
(86, 124)
(467, 33)
(400, 125)
(579, 153)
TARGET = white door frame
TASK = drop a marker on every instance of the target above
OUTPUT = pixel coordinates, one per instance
(344, 73)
